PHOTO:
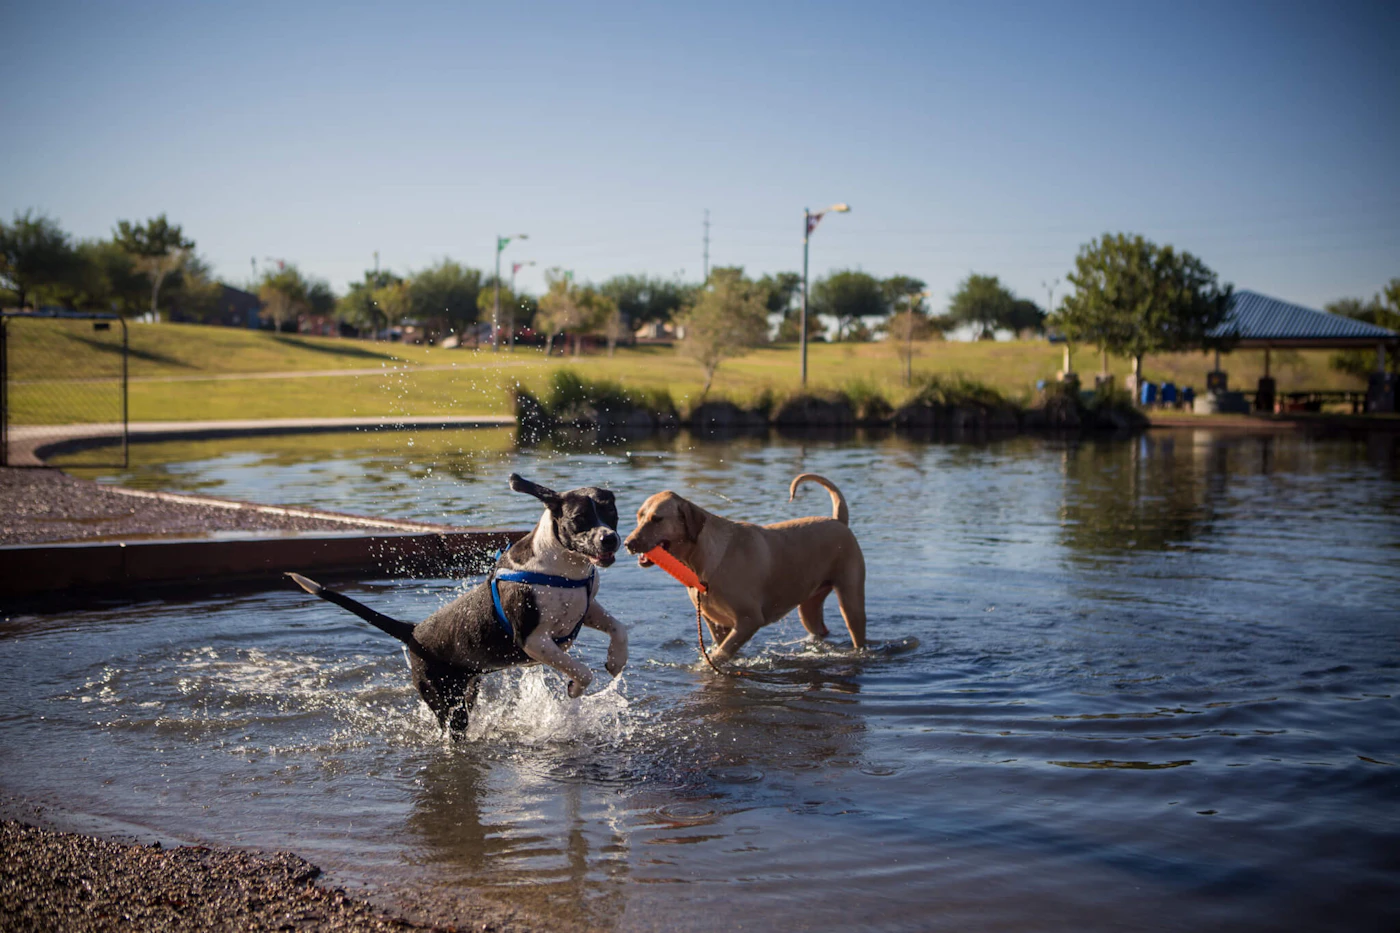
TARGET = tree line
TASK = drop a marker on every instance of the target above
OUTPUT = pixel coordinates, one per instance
(152, 267)
(129, 272)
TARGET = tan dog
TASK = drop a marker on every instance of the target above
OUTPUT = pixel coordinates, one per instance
(756, 574)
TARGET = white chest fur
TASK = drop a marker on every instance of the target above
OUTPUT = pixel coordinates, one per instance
(560, 607)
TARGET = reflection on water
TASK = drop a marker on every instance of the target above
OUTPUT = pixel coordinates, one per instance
(1145, 684)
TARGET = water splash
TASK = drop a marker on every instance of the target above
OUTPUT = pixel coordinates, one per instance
(529, 707)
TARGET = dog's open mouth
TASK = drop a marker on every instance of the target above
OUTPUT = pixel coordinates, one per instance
(644, 561)
(605, 560)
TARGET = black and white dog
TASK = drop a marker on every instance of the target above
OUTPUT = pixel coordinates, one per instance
(530, 609)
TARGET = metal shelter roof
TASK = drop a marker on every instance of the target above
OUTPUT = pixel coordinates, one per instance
(1261, 321)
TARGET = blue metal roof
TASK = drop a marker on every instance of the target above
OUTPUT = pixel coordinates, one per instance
(1259, 317)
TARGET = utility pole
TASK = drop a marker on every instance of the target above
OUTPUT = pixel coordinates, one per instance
(707, 245)
(809, 223)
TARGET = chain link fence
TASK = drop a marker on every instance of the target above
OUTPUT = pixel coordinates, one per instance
(63, 388)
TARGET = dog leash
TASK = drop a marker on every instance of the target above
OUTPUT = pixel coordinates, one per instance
(685, 576)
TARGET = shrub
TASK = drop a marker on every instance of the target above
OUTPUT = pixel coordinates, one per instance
(955, 390)
(866, 400)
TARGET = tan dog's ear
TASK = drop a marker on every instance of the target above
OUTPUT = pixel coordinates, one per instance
(692, 519)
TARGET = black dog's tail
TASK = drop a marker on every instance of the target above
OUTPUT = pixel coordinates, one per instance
(403, 631)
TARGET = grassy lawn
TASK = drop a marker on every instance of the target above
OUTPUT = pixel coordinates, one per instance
(181, 372)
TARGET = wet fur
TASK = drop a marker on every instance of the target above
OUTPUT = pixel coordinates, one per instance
(453, 648)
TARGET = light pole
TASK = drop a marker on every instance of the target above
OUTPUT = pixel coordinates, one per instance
(501, 242)
(809, 223)
(514, 268)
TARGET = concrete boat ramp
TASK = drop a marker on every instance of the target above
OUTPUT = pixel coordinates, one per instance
(75, 539)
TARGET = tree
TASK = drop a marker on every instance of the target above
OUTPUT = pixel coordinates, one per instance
(613, 323)
(320, 299)
(1383, 310)
(447, 295)
(158, 247)
(283, 296)
(1025, 317)
(847, 296)
(567, 308)
(358, 306)
(394, 300)
(729, 316)
(194, 291)
(641, 299)
(1133, 297)
(782, 292)
(983, 302)
(34, 253)
(913, 323)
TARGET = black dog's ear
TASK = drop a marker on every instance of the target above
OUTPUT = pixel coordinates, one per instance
(546, 495)
(606, 504)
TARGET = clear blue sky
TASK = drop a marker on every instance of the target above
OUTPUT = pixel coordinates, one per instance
(978, 137)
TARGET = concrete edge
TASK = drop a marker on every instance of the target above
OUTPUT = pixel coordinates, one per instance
(107, 567)
(31, 445)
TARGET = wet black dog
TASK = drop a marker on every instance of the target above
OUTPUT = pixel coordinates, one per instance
(540, 593)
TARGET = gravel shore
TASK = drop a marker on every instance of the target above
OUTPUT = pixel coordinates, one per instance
(53, 880)
(45, 506)
(64, 881)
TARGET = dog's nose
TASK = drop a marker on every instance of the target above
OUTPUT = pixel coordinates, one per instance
(610, 541)
(631, 544)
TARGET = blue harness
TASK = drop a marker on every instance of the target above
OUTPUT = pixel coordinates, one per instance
(540, 579)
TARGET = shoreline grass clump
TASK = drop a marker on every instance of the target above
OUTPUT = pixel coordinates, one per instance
(577, 402)
(956, 404)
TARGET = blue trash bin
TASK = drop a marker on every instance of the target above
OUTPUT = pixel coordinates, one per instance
(1148, 394)
(1169, 393)
(1188, 395)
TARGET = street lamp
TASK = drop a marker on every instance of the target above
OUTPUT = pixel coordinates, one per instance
(501, 242)
(809, 223)
(514, 268)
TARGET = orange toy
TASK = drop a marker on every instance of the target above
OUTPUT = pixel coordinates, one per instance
(663, 559)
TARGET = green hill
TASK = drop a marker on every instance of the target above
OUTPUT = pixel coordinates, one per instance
(185, 372)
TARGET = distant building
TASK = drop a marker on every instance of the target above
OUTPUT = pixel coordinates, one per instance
(235, 308)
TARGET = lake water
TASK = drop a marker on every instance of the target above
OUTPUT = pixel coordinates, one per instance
(1142, 684)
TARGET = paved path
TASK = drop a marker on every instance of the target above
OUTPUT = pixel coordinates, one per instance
(29, 445)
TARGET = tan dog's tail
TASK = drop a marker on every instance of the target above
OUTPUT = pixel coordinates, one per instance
(838, 501)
